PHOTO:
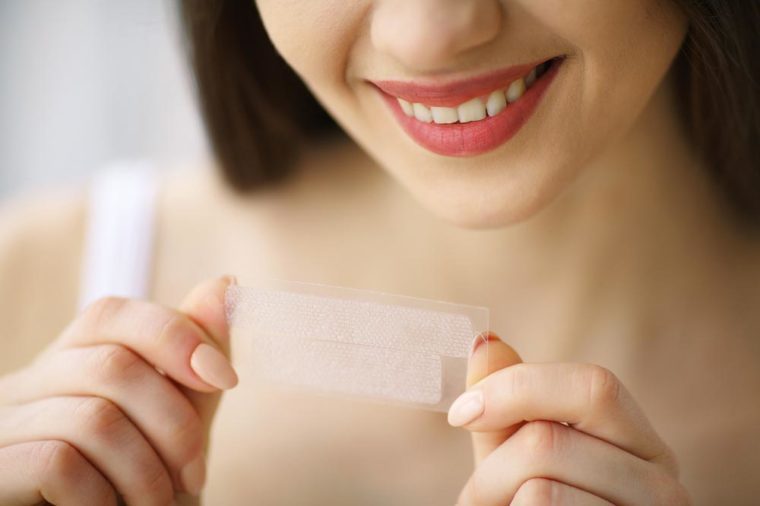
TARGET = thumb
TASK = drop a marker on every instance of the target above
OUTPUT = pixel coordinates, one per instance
(205, 306)
(485, 360)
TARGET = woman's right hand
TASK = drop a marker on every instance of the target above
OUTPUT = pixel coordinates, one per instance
(118, 406)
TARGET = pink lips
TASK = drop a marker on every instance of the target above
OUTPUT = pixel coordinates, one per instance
(466, 139)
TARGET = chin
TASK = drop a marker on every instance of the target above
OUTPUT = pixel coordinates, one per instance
(490, 206)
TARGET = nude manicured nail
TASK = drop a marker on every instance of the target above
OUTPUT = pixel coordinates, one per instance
(193, 476)
(466, 408)
(480, 340)
(213, 367)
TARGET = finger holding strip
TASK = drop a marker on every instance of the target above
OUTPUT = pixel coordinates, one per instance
(167, 339)
(487, 355)
(588, 397)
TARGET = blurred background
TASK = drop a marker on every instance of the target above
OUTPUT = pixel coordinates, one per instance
(86, 82)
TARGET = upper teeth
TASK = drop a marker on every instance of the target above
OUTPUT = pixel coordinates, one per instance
(474, 109)
(422, 113)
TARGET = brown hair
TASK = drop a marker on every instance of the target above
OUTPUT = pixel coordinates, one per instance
(258, 111)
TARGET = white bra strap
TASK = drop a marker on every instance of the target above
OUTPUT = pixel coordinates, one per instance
(119, 241)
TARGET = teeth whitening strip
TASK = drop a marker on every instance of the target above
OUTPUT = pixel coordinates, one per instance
(356, 343)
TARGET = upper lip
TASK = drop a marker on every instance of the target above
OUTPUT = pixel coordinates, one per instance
(454, 92)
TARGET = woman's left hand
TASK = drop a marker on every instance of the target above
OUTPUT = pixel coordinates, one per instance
(559, 433)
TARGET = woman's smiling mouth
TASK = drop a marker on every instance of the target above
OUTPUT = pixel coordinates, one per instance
(472, 116)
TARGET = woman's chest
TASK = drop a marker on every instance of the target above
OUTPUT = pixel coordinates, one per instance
(276, 446)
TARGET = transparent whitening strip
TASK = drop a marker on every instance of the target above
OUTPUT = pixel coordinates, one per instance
(356, 343)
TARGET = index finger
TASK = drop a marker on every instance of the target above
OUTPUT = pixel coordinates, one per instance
(164, 337)
(588, 397)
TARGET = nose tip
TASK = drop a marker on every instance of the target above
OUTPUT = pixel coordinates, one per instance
(426, 35)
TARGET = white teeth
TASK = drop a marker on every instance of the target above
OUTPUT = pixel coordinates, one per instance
(531, 77)
(406, 107)
(472, 110)
(422, 113)
(444, 115)
(496, 103)
(515, 90)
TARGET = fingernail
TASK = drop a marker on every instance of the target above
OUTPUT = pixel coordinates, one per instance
(213, 367)
(193, 476)
(466, 408)
(481, 338)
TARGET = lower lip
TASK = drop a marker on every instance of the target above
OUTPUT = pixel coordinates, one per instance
(476, 137)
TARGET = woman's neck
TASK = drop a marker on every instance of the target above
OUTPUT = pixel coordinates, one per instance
(641, 231)
(639, 241)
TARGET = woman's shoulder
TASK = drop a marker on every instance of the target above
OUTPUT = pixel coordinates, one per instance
(41, 238)
(291, 228)
(35, 215)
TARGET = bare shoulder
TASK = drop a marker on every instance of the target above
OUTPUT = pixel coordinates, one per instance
(337, 196)
(40, 248)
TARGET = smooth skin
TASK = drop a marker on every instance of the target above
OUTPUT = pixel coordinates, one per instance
(616, 55)
(112, 408)
(620, 258)
(559, 433)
